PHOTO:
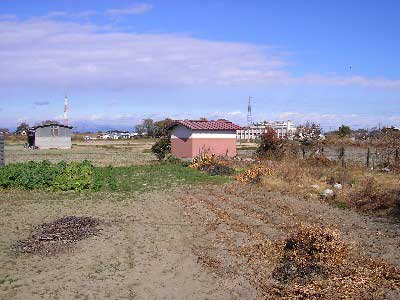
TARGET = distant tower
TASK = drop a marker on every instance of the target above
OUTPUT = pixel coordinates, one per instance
(66, 110)
(249, 116)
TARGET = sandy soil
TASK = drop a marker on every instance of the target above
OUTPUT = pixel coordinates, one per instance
(187, 243)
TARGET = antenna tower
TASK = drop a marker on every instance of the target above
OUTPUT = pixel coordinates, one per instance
(249, 116)
(66, 110)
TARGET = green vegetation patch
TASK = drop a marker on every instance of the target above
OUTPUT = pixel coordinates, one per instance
(47, 176)
(80, 176)
(151, 177)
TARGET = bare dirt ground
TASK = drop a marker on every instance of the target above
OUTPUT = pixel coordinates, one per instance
(143, 251)
(208, 242)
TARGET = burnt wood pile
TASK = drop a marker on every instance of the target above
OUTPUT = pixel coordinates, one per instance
(57, 236)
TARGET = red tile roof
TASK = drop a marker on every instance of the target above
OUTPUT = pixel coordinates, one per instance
(205, 125)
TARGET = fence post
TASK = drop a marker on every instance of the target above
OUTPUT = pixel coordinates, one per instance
(341, 155)
(304, 152)
(368, 154)
(1, 150)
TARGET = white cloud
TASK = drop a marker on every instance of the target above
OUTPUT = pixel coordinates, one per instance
(46, 52)
(136, 9)
(331, 121)
(43, 52)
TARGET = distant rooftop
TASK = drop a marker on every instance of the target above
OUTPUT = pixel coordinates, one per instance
(205, 125)
(52, 124)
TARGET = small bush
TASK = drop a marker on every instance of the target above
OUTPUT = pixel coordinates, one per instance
(270, 144)
(161, 148)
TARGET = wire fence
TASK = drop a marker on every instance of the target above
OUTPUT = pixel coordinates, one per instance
(1, 150)
(369, 157)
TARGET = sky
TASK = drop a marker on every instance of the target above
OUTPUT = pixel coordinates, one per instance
(330, 62)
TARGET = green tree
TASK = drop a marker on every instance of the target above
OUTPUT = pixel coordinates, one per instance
(21, 128)
(149, 127)
(140, 129)
(344, 131)
(161, 127)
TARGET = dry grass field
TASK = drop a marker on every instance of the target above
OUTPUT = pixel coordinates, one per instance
(101, 153)
(167, 233)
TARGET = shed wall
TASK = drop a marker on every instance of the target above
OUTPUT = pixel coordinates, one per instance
(187, 143)
(53, 142)
(181, 148)
(217, 146)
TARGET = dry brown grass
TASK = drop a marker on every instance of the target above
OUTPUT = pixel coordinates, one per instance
(362, 189)
(316, 263)
(371, 196)
(101, 153)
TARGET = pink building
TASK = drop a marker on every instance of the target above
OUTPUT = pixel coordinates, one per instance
(190, 138)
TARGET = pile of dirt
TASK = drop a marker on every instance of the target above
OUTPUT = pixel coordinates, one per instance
(57, 236)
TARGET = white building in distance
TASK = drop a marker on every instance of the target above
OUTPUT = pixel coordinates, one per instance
(283, 129)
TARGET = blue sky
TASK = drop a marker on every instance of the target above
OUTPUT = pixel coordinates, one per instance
(331, 62)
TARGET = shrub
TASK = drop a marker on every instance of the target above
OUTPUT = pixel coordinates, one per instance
(270, 144)
(161, 148)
